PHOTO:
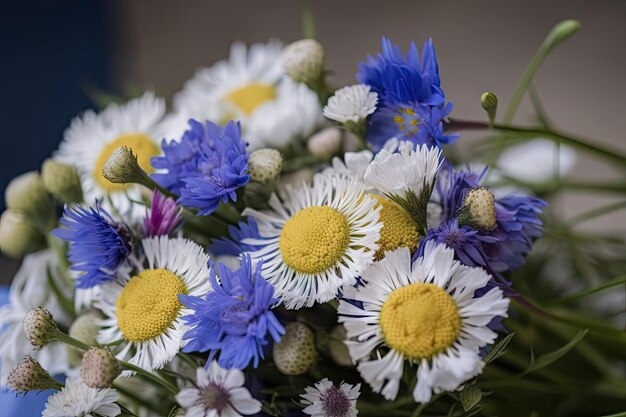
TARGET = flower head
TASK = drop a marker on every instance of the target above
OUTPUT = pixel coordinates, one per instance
(325, 143)
(27, 195)
(326, 400)
(163, 216)
(78, 400)
(98, 245)
(351, 104)
(18, 236)
(233, 245)
(265, 165)
(412, 103)
(235, 319)
(426, 313)
(39, 327)
(206, 167)
(99, 368)
(296, 350)
(218, 393)
(62, 181)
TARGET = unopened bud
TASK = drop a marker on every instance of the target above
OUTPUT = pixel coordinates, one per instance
(28, 375)
(62, 181)
(122, 167)
(303, 61)
(478, 210)
(325, 143)
(337, 349)
(84, 329)
(489, 102)
(27, 194)
(39, 327)
(18, 236)
(99, 368)
(296, 350)
(265, 165)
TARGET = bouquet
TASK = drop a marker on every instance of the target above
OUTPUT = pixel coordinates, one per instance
(274, 245)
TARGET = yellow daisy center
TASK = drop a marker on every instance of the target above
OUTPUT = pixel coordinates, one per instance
(142, 146)
(251, 96)
(148, 305)
(399, 229)
(420, 320)
(314, 239)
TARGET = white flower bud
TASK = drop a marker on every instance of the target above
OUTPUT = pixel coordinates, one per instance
(99, 368)
(28, 375)
(39, 327)
(62, 181)
(325, 143)
(84, 329)
(18, 236)
(296, 350)
(27, 194)
(303, 61)
(479, 211)
(265, 165)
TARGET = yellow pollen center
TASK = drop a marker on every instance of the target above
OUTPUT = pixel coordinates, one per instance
(148, 305)
(399, 229)
(420, 320)
(314, 239)
(407, 121)
(251, 96)
(141, 145)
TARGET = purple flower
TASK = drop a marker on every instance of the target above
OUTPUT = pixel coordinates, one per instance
(206, 167)
(235, 319)
(98, 245)
(163, 216)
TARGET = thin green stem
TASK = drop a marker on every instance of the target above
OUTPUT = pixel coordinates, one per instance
(597, 212)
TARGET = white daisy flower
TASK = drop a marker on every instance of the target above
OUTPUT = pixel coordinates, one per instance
(412, 169)
(354, 164)
(218, 393)
(317, 239)
(92, 138)
(326, 400)
(143, 310)
(351, 104)
(30, 289)
(78, 400)
(423, 312)
(250, 87)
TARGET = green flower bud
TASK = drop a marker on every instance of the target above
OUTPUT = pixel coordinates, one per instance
(479, 210)
(28, 375)
(265, 165)
(62, 181)
(337, 349)
(18, 236)
(296, 350)
(27, 195)
(85, 330)
(39, 327)
(489, 101)
(99, 368)
(303, 61)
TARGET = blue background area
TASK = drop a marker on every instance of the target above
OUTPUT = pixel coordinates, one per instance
(50, 51)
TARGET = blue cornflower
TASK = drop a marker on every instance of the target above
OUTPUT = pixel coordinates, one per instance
(518, 225)
(466, 242)
(235, 318)
(98, 245)
(517, 218)
(206, 167)
(412, 105)
(233, 245)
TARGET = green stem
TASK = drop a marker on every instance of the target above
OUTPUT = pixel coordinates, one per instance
(62, 337)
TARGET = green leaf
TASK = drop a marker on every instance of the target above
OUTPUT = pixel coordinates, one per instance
(470, 397)
(499, 348)
(548, 358)
(581, 294)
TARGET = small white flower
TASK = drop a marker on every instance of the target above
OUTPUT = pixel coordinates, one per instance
(78, 400)
(326, 400)
(409, 170)
(218, 393)
(351, 104)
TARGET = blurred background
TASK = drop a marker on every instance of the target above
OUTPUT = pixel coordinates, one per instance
(57, 56)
